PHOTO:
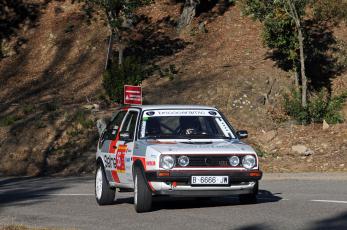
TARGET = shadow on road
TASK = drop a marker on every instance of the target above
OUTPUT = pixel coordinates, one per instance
(31, 190)
(162, 202)
(335, 222)
(338, 222)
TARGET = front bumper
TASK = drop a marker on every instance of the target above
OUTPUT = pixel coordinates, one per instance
(178, 183)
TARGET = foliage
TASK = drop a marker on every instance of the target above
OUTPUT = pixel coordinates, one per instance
(117, 12)
(279, 31)
(131, 72)
(293, 107)
(298, 33)
(8, 120)
(260, 152)
(333, 108)
(320, 107)
(330, 10)
(28, 109)
(51, 106)
(81, 118)
(119, 15)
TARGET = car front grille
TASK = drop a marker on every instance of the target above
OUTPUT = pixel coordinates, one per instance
(208, 161)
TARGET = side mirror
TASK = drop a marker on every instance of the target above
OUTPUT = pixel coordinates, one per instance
(101, 125)
(125, 136)
(242, 134)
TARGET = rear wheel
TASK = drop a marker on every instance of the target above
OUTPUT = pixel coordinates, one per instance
(142, 194)
(103, 193)
(250, 198)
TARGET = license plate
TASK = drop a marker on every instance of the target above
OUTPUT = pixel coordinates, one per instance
(210, 180)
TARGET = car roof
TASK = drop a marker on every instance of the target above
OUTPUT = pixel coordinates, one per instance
(150, 107)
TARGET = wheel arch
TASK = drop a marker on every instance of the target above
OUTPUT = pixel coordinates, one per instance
(139, 164)
(99, 161)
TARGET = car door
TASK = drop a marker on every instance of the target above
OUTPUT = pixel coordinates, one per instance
(108, 145)
(125, 147)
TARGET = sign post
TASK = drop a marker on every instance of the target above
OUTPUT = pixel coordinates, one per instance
(132, 95)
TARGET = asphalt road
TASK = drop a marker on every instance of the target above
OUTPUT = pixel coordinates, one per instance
(286, 201)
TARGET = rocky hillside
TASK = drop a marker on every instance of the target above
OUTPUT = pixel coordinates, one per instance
(51, 93)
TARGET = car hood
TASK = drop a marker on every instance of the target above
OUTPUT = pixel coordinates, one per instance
(219, 147)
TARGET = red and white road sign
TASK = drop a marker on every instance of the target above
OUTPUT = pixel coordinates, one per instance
(132, 95)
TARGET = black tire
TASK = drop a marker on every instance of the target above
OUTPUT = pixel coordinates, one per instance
(106, 195)
(142, 193)
(250, 198)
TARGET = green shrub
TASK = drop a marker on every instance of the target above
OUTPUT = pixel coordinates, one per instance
(8, 120)
(333, 110)
(130, 72)
(260, 152)
(320, 107)
(81, 118)
(293, 108)
(28, 108)
(317, 107)
(51, 106)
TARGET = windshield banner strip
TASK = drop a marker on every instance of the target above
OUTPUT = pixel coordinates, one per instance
(165, 113)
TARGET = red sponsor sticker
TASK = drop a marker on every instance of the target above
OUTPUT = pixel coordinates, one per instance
(120, 164)
(150, 163)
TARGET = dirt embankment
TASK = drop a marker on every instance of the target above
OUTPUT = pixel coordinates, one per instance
(50, 92)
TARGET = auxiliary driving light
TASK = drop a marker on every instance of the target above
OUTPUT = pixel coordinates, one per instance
(183, 161)
(234, 161)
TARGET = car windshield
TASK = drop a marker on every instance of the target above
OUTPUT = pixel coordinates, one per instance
(210, 126)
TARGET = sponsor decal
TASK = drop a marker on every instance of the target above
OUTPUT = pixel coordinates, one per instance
(143, 128)
(150, 163)
(182, 113)
(120, 164)
(110, 161)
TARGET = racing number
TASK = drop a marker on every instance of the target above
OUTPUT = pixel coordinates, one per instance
(120, 164)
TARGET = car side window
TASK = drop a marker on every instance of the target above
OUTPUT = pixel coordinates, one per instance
(113, 127)
(130, 123)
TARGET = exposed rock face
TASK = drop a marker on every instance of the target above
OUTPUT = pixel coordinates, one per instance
(302, 150)
(269, 136)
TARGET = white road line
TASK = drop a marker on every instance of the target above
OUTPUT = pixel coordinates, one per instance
(66, 194)
(331, 201)
(274, 199)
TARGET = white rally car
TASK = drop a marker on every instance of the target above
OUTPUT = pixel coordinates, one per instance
(173, 150)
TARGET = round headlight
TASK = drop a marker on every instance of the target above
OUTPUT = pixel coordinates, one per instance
(167, 162)
(248, 161)
(183, 161)
(234, 161)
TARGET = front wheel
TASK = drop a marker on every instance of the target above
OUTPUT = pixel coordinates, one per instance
(142, 194)
(103, 193)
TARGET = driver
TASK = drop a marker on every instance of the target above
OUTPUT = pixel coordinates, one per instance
(190, 125)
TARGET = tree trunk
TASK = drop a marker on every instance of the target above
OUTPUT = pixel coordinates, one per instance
(188, 13)
(294, 14)
(296, 78)
(109, 56)
(302, 68)
(121, 48)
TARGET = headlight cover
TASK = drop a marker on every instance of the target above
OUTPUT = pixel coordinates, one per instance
(183, 161)
(234, 161)
(248, 161)
(167, 162)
